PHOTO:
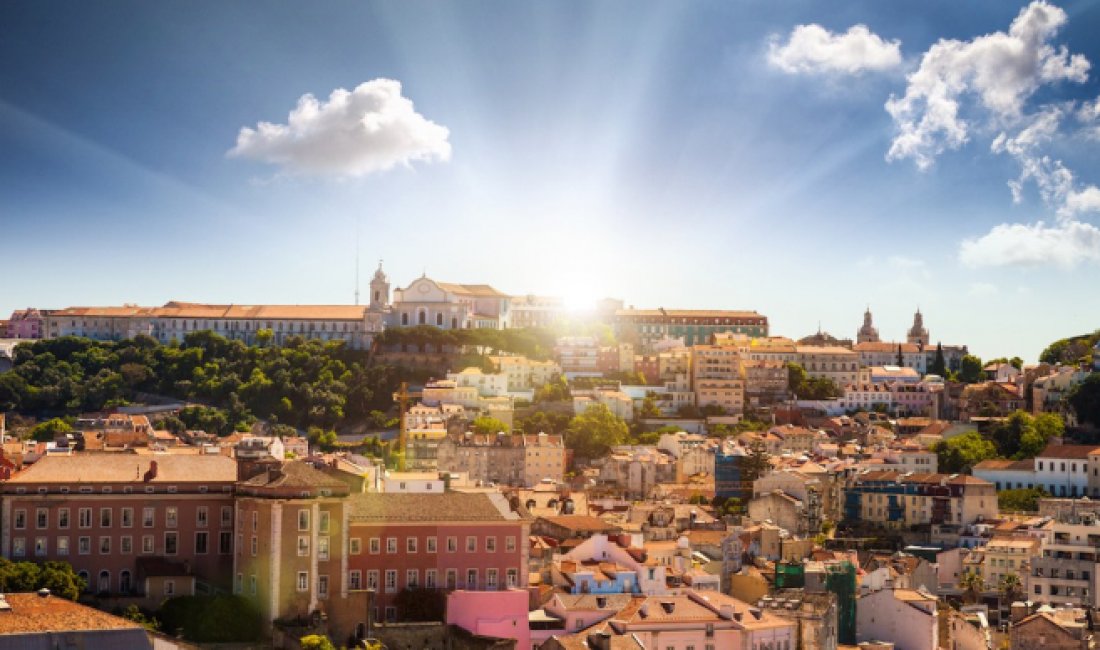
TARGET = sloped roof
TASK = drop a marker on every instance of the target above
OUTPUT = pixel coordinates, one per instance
(415, 507)
(128, 468)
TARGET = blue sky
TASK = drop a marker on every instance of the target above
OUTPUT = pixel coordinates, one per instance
(705, 154)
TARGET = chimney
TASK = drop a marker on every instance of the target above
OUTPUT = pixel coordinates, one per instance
(599, 641)
(151, 473)
(668, 605)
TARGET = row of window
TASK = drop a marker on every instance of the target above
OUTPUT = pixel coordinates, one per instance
(125, 517)
(431, 544)
(126, 489)
(125, 544)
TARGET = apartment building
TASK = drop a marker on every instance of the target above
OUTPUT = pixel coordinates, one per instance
(841, 365)
(108, 514)
(291, 547)
(1066, 568)
(898, 501)
(173, 321)
(524, 373)
(454, 540)
(644, 327)
(517, 460)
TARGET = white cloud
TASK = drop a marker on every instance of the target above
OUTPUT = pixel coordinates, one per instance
(1066, 244)
(1086, 200)
(814, 49)
(982, 289)
(355, 133)
(1089, 115)
(1001, 69)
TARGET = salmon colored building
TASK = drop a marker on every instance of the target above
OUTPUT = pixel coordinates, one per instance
(109, 514)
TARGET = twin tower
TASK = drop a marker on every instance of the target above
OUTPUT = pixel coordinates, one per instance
(917, 335)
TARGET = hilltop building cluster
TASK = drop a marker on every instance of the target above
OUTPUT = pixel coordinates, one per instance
(772, 493)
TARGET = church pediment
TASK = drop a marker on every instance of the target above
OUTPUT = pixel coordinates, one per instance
(423, 290)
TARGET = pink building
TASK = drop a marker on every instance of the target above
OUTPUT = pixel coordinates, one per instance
(454, 540)
(500, 614)
(26, 324)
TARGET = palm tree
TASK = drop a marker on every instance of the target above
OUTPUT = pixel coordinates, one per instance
(972, 585)
(1011, 587)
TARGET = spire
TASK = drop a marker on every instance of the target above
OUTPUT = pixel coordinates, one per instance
(867, 333)
(357, 263)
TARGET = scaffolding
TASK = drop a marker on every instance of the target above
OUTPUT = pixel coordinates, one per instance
(789, 576)
(840, 579)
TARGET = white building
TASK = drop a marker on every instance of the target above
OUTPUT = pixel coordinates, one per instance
(907, 617)
(450, 306)
(487, 384)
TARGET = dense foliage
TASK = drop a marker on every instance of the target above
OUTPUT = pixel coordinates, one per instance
(58, 577)
(1085, 400)
(533, 343)
(303, 383)
(1020, 500)
(1071, 350)
(962, 452)
(810, 388)
(1020, 436)
(592, 433)
(211, 619)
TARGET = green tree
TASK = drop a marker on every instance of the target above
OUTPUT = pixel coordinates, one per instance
(962, 452)
(58, 577)
(50, 429)
(325, 439)
(315, 642)
(1020, 500)
(1011, 587)
(796, 377)
(757, 463)
(939, 365)
(972, 585)
(488, 425)
(555, 390)
(592, 433)
(970, 369)
(134, 613)
(649, 408)
(212, 619)
(1085, 400)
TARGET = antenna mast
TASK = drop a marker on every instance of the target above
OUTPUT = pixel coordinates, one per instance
(356, 262)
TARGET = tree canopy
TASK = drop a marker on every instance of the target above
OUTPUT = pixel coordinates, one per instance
(58, 577)
(810, 388)
(1085, 400)
(1020, 500)
(302, 383)
(592, 433)
(970, 369)
(962, 452)
(1070, 350)
(489, 425)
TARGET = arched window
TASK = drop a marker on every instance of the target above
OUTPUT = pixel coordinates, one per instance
(104, 583)
(83, 575)
(124, 585)
(454, 323)
(439, 320)
(404, 319)
(422, 318)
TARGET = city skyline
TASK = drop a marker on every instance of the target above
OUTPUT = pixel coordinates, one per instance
(792, 160)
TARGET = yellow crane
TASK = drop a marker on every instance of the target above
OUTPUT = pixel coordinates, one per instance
(402, 397)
